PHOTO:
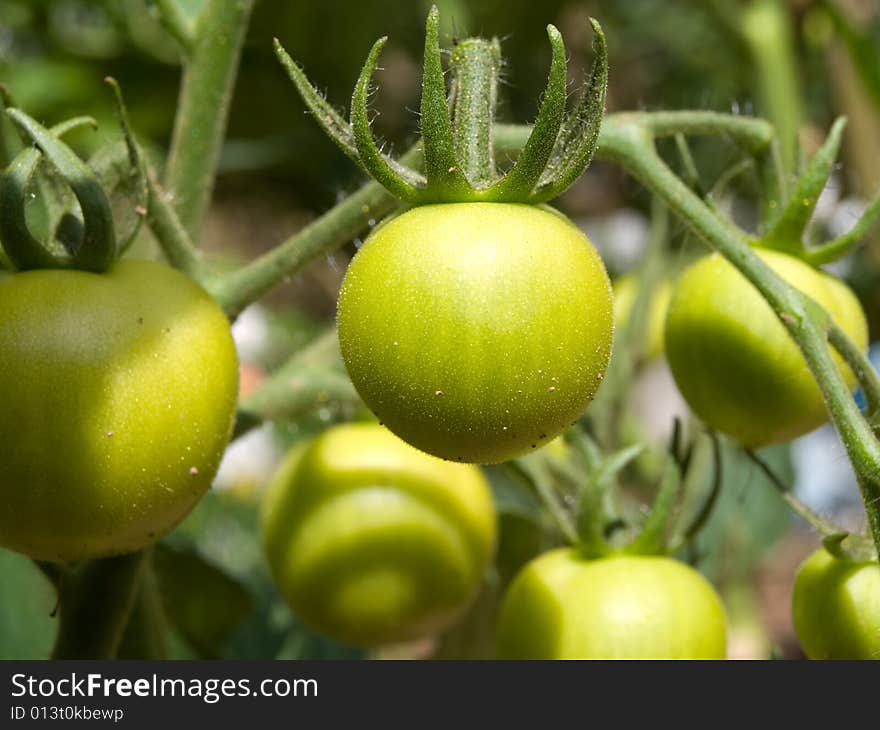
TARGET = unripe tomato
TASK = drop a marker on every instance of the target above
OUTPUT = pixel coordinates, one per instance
(626, 289)
(562, 606)
(372, 541)
(734, 361)
(117, 397)
(835, 607)
(476, 331)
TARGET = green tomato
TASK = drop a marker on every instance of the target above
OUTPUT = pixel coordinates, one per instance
(118, 395)
(625, 291)
(374, 542)
(562, 606)
(734, 361)
(835, 607)
(476, 331)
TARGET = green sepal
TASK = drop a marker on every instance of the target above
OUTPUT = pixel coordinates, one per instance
(116, 175)
(23, 250)
(579, 135)
(331, 121)
(846, 546)
(475, 68)
(532, 161)
(842, 245)
(590, 511)
(458, 154)
(653, 537)
(442, 170)
(787, 232)
(369, 154)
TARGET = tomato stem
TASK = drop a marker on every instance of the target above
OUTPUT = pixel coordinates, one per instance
(96, 599)
(234, 291)
(209, 74)
(475, 67)
(532, 471)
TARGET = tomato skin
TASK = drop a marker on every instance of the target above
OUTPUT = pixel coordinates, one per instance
(836, 607)
(562, 606)
(734, 361)
(476, 331)
(374, 542)
(626, 289)
(118, 394)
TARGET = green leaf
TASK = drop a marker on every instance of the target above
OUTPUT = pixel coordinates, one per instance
(27, 603)
(201, 602)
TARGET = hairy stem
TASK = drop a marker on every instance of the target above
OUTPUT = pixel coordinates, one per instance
(335, 228)
(96, 600)
(203, 108)
(476, 65)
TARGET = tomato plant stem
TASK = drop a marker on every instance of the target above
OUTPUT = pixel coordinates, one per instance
(475, 66)
(815, 520)
(95, 601)
(203, 106)
(765, 25)
(326, 233)
(172, 237)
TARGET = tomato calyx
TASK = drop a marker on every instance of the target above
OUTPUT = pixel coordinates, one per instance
(848, 547)
(787, 233)
(598, 529)
(85, 239)
(459, 165)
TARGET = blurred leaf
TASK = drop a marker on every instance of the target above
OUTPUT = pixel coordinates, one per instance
(512, 496)
(27, 600)
(203, 603)
(749, 518)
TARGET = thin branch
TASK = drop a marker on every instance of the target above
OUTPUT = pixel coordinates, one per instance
(535, 477)
(820, 524)
(172, 237)
(335, 228)
(95, 602)
(860, 365)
